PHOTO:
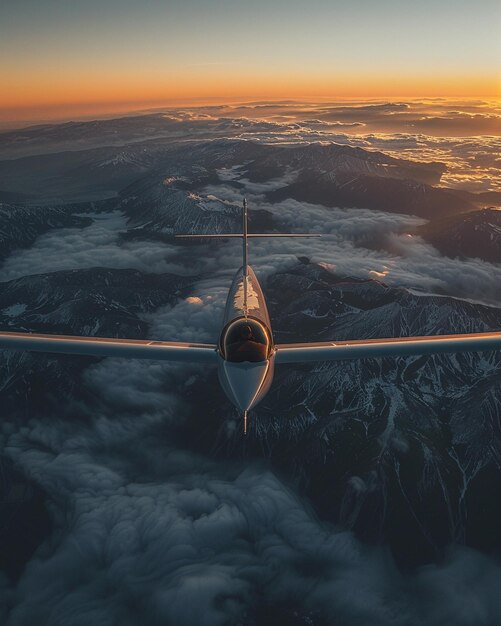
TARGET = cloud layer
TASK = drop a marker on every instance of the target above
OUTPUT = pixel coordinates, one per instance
(150, 531)
(148, 526)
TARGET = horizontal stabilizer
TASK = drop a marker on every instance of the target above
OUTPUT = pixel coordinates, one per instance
(249, 236)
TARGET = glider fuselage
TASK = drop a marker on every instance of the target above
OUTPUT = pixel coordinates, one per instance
(246, 354)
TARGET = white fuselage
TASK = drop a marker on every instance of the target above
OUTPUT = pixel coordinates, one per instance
(246, 351)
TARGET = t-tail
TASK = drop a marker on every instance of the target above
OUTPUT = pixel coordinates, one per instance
(245, 236)
(247, 293)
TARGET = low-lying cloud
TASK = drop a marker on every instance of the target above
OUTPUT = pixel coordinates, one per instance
(148, 531)
(347, 236)
(354, 242)
(98, 245)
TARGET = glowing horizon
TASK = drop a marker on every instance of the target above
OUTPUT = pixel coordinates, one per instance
(24, 109)
(117, 56)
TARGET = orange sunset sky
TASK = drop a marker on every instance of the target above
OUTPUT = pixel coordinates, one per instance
(66, 58)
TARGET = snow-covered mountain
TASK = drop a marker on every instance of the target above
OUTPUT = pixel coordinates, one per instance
(474, 234)
(401, 450)
(329, 174)
(95, 302)
(152, 205)
(20, 225)
(105, 462)
(155, 205)
(374, 192)
(328, 160)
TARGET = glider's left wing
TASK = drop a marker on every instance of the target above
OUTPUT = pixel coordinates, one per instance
(103, 347)
(394, 347)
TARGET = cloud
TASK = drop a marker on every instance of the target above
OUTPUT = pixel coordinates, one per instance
(151, 532)
(97, 245)
(355, 242)
(460, 124)
(152, 527)
(348, 235)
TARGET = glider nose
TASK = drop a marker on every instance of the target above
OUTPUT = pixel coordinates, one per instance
(245, 381)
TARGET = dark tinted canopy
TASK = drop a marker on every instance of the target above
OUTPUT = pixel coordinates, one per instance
(245, 339)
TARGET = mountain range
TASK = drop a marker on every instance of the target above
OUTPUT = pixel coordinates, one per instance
(399, 450)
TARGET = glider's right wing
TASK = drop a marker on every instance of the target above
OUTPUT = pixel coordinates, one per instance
(394, 347)
(103, 347)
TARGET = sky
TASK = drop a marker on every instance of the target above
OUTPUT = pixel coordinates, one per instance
(63, 54)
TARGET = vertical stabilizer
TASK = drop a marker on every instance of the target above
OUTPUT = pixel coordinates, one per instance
(244, 238)
(245, 422)
(245, 250)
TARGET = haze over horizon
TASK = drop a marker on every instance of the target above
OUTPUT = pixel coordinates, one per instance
(64, 59)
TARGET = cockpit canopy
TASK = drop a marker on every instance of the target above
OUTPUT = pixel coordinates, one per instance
(245, 339)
